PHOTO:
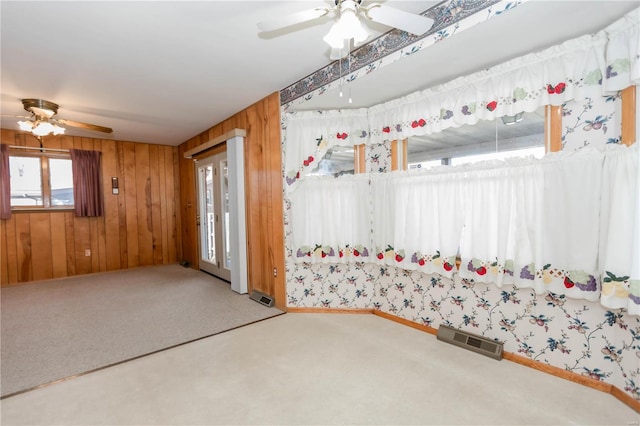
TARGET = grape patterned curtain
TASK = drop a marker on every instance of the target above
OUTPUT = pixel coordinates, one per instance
(567, 223)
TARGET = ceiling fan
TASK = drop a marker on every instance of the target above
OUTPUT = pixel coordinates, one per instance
(42, 121)
(350, 25)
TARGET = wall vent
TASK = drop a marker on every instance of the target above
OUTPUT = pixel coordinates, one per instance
(475, 343)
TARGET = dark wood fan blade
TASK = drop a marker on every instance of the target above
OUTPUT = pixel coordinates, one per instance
(85, 125)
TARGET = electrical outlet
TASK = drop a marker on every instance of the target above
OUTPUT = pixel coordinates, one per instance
(87, 252)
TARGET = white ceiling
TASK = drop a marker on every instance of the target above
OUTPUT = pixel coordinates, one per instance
(164, 71)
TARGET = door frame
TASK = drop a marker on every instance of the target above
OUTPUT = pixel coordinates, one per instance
(218, 266)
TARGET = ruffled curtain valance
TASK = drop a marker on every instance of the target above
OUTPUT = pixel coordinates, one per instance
(565, 224)
(310, 134)
(588, 66)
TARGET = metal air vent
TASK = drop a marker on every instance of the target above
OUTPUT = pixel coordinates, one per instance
(474, 343)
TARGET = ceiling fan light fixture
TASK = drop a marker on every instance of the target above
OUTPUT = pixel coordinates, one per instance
(41, 128)
(26, 126)
(347, 27)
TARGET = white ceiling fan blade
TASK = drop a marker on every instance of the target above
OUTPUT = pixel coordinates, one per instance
(295, 18)
(396, 18)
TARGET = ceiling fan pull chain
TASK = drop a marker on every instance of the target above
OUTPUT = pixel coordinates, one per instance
(350, 101)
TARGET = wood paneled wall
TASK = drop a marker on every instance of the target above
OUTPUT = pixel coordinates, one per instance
(139, 227)
(264, 203)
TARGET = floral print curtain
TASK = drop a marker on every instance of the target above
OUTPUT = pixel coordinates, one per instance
(565, 224)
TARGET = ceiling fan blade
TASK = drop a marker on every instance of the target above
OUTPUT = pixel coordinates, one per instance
(84, 125)
(293, 19)
(392, 17)
(15, 116)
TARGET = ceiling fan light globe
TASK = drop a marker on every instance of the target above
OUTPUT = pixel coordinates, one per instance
(57, 130)
(348, 27)
(43, 129)
(26, 126)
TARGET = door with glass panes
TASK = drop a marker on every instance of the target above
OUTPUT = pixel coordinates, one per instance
(213, 215)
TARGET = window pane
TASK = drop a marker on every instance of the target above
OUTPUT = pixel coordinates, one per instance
(426, 164)
(537, 152)
(508, 133)
(61, 176)
(26, 181)
(337, 161)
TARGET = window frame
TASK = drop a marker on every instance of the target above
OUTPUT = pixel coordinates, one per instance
(45, 179)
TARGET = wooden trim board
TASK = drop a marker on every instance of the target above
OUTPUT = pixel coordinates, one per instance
(215, 141)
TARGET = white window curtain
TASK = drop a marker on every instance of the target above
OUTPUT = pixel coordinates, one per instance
(331, 220)
(501, 220)
(619, 253)
(567, 223)
(417, 220)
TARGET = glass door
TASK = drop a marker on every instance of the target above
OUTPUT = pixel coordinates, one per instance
(213, 215)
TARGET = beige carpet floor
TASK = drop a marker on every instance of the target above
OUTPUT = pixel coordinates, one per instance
(317, 369)
(59, 328)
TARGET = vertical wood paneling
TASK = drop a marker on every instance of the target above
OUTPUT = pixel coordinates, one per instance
(257, 218)
(82, 242)
(131, 203)
(101, 240)
(40, 231)
(162, 182)
(4, 273)
(58, 245)
(277, 203)
(172, 179)
(143, 192)
(111, 210)
(69, 227)
(122, 208)
(155, 207)
(188, 207)
(11, 253)
(23, 247)
(51, 244)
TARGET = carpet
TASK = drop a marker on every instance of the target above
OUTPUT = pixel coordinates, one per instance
(55, 329)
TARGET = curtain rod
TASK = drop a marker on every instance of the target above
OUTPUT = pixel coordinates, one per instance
(37, 148)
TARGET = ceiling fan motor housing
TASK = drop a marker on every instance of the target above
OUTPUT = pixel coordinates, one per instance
(49, 109)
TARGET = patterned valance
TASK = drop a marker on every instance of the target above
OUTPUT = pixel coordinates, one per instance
(588, 66)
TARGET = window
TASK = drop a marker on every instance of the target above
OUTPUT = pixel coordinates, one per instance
(338, 160)
(515, 136)
(537, 152)
(40, 181)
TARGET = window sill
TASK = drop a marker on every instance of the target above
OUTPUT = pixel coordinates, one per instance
(42, 210)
